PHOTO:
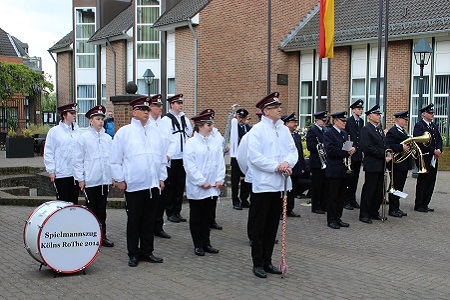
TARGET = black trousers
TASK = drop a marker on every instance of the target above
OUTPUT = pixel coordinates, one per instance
(425, 187)
(141, 208)
(161, 206)
(318, 190)
(336, 195)
(352, 183)
(199, 220)
(212, 212)
(175, 184)
(399, 184)
(267, 209)
(98, 196)
(68, 189)
(251, 215)
(371, 194)
(236, 180)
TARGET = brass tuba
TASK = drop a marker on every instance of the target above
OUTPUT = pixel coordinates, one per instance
(414, 150)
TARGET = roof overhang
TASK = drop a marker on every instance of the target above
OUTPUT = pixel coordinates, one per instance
(173, 26)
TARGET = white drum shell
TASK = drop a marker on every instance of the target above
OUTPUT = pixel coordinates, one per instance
(63, 236)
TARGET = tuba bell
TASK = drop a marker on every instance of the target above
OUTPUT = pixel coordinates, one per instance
(414, 150)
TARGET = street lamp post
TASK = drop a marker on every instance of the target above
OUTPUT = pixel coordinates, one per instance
(148, 76)
(422, 53)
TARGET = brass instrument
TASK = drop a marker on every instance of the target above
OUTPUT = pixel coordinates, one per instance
(414, 150)
(387, 153)
(227, 133)
(322, 154)
(348, 162)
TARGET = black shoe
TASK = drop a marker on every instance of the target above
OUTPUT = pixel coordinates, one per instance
(272, 269)
(107, 243)
(430, 209)
(259, 272)
(173, 218)
(216, 226)
(181, 218)
(151, 258)
(334, 225)
(163, 234)
(402, 212)
(245, 204)
(355, 205)
(210, 249)
(342, 224)
(421, 209)
(292, 214)
(133, 261)
(377, 217)
(318, 211)
(237, 207)
(348, 206)
(395, 214)
(365, 220)
(199, 251)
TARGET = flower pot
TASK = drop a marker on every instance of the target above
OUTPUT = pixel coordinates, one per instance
(19, 147)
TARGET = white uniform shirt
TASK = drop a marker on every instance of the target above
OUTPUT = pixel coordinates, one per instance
(203, 162)
(59, 151)
(138, 156)
(269, 145)
(178, 137)
(242, 158)
(166, 132)
(92, 158)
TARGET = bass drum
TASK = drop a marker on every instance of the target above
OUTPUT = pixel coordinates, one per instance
(63, 236)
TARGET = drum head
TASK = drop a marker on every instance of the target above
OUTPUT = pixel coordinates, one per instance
(70, 239)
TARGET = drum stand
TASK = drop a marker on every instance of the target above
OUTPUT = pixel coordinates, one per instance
(56, 272)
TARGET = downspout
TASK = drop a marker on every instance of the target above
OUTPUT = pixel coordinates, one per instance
(56, 82)
(195, 64)
(114, 65)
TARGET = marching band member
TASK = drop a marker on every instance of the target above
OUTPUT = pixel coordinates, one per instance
(238, 130)
(138, 163)
(394, 137)
(336, 171)
(318, 183)
(353, 128)
(60, 146)
(205, 174)
(91, 166)
(291, 122)
(181, 130)
(271, 152)
(156, 107)
(426, 181)
(375, 159)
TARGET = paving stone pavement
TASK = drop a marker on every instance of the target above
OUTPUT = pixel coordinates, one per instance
(404, 258)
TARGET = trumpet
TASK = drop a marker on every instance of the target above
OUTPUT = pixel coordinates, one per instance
(414, 151)
(348, 162)
(322, 154)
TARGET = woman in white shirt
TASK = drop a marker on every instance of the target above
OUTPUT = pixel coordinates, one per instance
(205, 174)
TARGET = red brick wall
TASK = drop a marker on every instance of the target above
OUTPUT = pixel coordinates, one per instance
(399, 73)
(65, 78)
(232, 65)
(10, 59)
(120, 48)
(340, 79)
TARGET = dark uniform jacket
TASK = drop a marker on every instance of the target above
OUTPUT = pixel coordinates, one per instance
(435, 143)
(374, 146)
(300, 165)
(242, 130)
(311, 145)
(333, 141)
(394, 137)
(354, 131)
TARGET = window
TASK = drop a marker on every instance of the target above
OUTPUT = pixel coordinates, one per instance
(104, 95)
(143, 87)
(86, 99)
(84, 29)
(171, 86)
(147, 12)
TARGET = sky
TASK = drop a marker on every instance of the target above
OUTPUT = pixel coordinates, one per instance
(39, 23)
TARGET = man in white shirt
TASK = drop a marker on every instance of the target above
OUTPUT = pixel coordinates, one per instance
(271, 152)
(176, 181)
(138, 163)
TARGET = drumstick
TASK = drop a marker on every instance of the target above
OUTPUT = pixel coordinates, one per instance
(85, 196)
(56, 190)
